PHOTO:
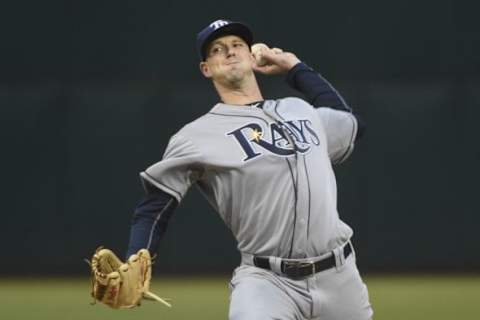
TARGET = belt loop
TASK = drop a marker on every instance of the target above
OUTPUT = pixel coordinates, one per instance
(247, 259)
(353, 249)
(339, 258)
(276, 265)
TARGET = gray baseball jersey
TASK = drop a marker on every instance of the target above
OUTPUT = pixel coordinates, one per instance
(267, 172)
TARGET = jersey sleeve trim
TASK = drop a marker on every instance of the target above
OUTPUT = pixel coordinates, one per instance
(318, 90)
(351, 144)
(157, 218)
(174, 193)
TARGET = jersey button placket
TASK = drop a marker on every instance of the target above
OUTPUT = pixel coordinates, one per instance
(302, 210)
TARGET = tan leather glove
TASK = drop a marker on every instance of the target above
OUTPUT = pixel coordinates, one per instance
(122, 285)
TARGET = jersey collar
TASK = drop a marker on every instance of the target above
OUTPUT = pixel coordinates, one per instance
(251, 108)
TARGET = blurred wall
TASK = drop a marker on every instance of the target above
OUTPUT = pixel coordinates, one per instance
(91, 92)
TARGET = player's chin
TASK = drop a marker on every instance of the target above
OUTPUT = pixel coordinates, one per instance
(235, 73)
(234, 77)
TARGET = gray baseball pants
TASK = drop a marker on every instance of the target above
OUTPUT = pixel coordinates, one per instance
(334, 294)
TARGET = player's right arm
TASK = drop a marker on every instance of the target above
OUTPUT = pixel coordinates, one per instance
(150, 221)
(165, 183)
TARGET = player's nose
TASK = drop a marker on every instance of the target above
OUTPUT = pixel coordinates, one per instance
(230, 51)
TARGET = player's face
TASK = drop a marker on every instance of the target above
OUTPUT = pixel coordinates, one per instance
(228, 60)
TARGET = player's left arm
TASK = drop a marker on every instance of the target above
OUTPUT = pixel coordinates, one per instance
(316, 89)
(320, 93)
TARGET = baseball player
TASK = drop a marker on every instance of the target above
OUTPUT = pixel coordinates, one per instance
(266, 167)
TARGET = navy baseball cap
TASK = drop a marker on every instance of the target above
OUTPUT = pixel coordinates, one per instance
(219, 29)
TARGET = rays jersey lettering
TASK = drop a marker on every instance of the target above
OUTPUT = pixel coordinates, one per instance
(300, 132)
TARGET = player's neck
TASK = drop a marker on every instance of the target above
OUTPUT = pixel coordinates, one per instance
(239, 95)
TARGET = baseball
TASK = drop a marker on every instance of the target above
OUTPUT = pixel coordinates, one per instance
(257, 51)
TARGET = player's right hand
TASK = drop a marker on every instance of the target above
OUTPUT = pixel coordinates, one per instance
(122, 285)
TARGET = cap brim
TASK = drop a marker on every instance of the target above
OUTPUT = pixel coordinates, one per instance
(234, 28)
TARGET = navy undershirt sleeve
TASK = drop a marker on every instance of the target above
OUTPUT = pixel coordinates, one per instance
(150, 221)
(319, 92)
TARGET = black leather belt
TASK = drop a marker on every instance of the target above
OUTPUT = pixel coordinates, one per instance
(298, 269)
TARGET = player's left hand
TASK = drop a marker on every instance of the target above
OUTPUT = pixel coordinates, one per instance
(277, 62)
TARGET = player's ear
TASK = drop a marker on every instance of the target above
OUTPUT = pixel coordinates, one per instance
(205, 69)
(252, 58)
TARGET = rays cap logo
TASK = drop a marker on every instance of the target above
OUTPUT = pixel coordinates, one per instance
(219, 29)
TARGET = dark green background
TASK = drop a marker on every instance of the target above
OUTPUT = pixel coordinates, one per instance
(90, 93)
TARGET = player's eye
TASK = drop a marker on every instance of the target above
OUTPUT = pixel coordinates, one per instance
(216, 50)
(238, 45)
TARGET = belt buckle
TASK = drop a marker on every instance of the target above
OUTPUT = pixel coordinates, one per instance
(293, 268)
